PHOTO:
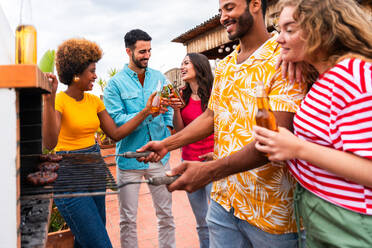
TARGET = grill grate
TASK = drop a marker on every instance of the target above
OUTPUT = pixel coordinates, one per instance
(77, 173)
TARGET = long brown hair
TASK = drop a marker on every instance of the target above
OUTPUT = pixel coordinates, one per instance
(204, 78)
(334, 27)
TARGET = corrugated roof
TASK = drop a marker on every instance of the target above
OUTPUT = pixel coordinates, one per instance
(199, 29)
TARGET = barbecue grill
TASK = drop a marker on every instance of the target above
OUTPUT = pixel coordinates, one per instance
(27, 209)
(77, 173)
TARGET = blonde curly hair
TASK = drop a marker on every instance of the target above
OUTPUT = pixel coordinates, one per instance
(74, 56)
(335, 27)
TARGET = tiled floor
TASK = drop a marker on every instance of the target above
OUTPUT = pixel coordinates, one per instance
(186, 236)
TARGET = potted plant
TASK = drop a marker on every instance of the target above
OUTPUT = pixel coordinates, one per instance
(59, 234)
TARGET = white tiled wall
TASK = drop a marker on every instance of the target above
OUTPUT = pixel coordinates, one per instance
(6, 40)
(8, 144)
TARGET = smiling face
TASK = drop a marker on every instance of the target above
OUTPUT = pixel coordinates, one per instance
(236, 18)
(291, 37)
(87, 78)
(187, 70)
(141, 54)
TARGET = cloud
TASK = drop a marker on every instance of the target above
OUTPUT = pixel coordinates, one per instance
(106, 22)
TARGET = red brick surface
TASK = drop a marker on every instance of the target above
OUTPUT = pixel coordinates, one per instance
(186, 236)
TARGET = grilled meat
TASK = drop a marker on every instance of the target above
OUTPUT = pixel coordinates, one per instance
(48, 166)
(51, 157)
(42, 177)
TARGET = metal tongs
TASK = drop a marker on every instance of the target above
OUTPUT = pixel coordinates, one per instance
(152, 180)
(156, 181)
(129, 155)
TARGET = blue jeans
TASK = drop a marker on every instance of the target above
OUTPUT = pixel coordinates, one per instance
(199, 201)
(86, 216)
(226, 230)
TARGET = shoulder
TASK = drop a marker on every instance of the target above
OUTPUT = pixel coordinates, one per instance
(121, 75)
(223, 63)
(60, 96)
(155, 72)
(347, 81)
(351, 73)
(92, 98)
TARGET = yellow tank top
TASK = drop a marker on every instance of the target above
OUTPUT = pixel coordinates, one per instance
(79, 121)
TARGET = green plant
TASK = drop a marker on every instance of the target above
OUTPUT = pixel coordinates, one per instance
(46, 63)
(112, 71)
(57, 223)
(103, 83)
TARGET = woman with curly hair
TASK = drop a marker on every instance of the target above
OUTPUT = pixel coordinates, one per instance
(70, 121)
(330, 153)
(196, 72)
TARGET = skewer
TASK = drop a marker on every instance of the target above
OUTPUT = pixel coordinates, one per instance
(156, 181)
(129, 155)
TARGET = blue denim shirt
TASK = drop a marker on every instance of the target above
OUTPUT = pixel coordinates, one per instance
(124, 98)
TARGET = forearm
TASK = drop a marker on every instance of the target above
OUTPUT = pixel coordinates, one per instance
(177, 121)
(49, 128)
(344, 164)
(127, 128)
(247, 158)
(198, 129)
(117, 133)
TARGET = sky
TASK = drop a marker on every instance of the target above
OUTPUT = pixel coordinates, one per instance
(107, 21)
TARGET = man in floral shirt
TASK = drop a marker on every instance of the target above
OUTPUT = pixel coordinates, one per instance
(253, 208)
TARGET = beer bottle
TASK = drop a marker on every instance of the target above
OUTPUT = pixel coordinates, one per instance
(175, 93)
(156, 101)
(26, 52)
(264, 116)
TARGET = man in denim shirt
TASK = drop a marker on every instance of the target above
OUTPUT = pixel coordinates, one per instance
(125, 96)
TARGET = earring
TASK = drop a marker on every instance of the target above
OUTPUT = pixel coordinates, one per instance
(75, 79)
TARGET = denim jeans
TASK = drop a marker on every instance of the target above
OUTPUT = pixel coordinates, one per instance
(199, 201)
(226, 230)
(86, 216)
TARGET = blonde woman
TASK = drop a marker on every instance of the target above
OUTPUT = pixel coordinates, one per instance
(330, 153)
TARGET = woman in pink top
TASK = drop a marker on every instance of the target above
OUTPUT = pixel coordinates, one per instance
(196, 72)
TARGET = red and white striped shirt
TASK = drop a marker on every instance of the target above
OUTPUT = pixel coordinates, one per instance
(337, 113)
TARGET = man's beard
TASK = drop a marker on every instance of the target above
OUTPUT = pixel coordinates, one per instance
(245, 23)
(138, 62)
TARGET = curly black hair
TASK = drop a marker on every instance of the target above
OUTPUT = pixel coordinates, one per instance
(74, 56)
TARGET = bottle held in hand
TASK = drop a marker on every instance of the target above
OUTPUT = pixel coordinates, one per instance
(175, 93)
(155, 107)
(156, 101)
(264, 116)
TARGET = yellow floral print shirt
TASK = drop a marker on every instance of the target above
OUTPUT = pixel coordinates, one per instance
(263, 196)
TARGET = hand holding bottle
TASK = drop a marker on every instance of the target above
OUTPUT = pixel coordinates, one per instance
(156, 100)
(264, 116)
